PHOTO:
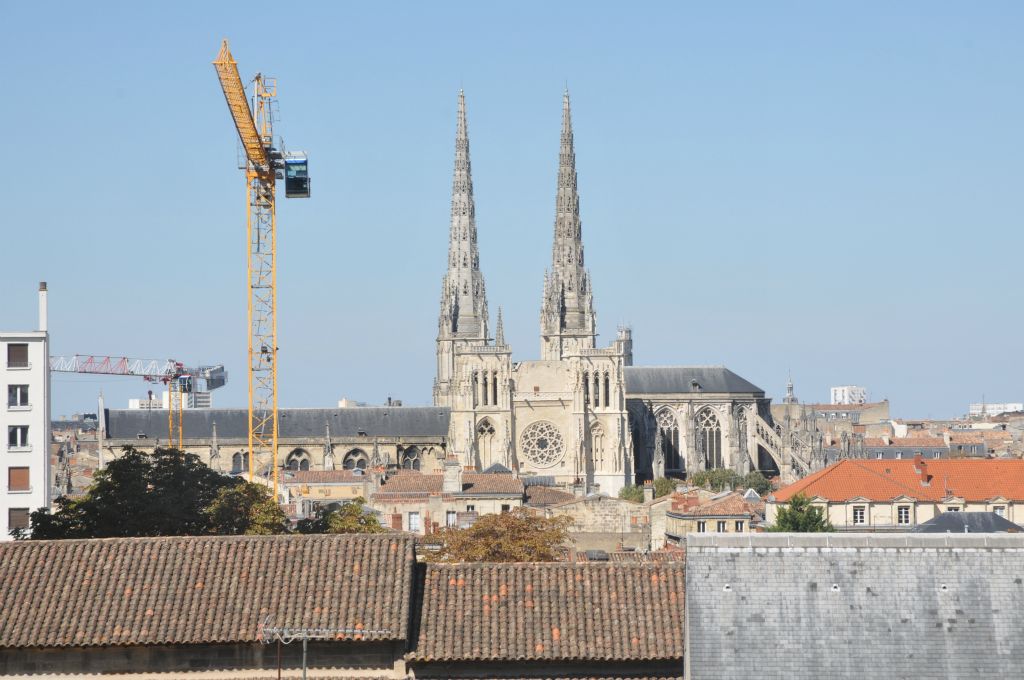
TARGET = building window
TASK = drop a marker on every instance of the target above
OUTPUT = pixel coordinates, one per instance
(721, 526)
(411, 458)
(17, 518)
(953, 508)
(858, 514)
(239, 462)
(17, 436)
(451, 519)
(505, 508)
(17, 355)
(903, 514)
(999, 510)
(668, 428)
(356, 459)
(739, 527)
(17, 395)
(470, 508)
(702, 527)
(414, 521)
(709, 439)
(17, 479)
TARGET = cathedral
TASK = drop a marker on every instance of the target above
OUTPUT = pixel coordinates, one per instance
(581, 414)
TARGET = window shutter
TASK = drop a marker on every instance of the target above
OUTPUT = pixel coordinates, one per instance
(17, 479)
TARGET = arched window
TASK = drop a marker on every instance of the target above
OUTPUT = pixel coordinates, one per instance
(297, 460)
(239, 462)
(607, 389)
(709, 439)
(668, 426)
(411, 458)
(597, 445)
(485, 441)
(356, 459)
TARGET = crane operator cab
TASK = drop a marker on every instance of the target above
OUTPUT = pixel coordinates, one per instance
(296, 176)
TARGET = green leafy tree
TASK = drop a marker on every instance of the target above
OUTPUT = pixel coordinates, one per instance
(137, 494)
(800, 516)
(756, 481)
(347, 518)
(517, 536)
(245, 508)
(632, 492)
(717, 479)
(663, 486)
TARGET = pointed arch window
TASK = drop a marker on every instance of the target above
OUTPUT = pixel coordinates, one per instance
(411, 458)
(298, 459)
(709, 439)
(485, 435)
(239, 462)
(597, 445)
(668, 426)
(356, 459)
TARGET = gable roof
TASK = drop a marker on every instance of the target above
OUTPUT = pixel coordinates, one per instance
(966, 522)
(541, 496)
(732, 504)
(679, 379)
(472, 483)
(322, 477)
(551, 612)
(177, 590)
(883, 480)
(233, 423)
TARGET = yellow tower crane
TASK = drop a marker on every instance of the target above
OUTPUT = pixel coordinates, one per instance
(265, 164)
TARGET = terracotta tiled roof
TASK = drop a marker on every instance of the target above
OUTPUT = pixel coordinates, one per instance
(320, 477)
(551, 612)
(906, 442)
(471, 483)
(732, 505)
(541, 496)
(980, 437)
(194, 590)
(883, 480)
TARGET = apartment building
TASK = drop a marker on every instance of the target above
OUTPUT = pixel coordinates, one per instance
(25, 423)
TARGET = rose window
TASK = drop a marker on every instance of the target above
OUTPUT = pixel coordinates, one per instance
(542, 444)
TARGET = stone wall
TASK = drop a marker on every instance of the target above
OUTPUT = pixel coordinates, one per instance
(855, 606)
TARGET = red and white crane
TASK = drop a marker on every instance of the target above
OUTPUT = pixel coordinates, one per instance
(180, 379)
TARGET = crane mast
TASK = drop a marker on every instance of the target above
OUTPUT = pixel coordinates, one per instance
(264, 163)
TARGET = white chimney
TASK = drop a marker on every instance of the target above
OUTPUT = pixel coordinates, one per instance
(42, 305)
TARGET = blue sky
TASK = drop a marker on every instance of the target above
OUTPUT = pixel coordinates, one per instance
(832, 189)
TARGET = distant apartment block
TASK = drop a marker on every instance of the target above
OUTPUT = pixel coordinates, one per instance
(849, 394)
(25, 423)
(983, 409)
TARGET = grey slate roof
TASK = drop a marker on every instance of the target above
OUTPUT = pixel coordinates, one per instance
(854, 606)
(404, 421)
(679, 379)
(974, 522)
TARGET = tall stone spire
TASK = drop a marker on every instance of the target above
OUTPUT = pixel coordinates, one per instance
(463, 317)
(499, 333)
(568, 322)
(464, 300)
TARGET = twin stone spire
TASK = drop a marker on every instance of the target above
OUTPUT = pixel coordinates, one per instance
(568, 322)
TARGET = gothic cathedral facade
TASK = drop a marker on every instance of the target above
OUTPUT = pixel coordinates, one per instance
(563, 416)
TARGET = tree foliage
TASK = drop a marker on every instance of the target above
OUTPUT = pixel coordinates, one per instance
(516, 536)
(800, 516)
(246, 508)
(721, 479)
(346, 518)
(663, 486)
(138, 494)
(632, 492)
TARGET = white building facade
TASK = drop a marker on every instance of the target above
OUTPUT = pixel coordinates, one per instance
(849, 394)
(25, 423)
